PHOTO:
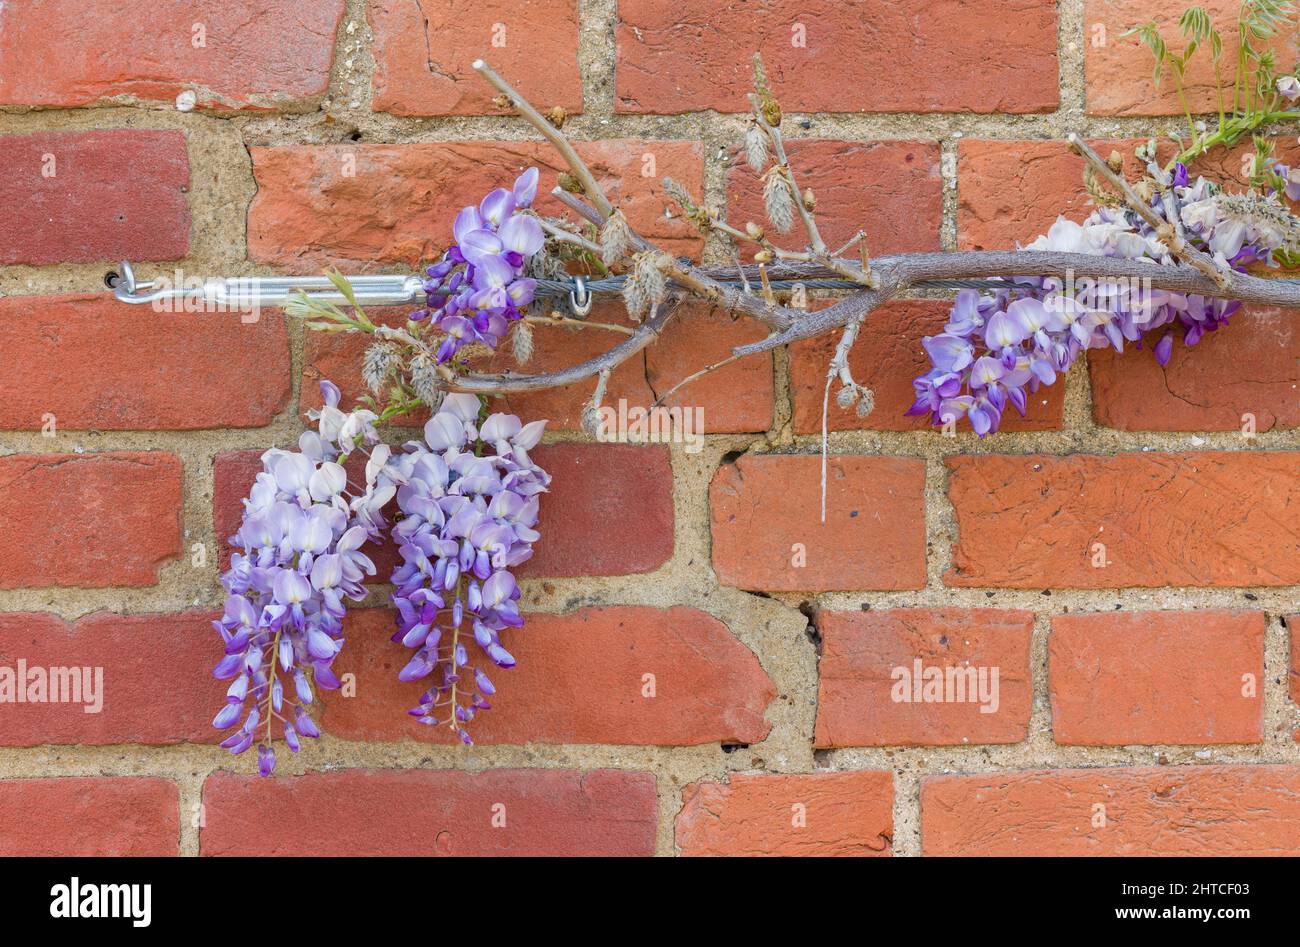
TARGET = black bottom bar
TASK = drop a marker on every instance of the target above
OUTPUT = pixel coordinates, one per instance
(203, 896)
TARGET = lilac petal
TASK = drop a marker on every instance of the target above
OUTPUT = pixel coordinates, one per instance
(522, 235)
(949, 353)
(228, 667)
(320, 645)
(326, 678)
(496, 207)
(418, 667)
(306, 726)
(481, 246)
(501, 656)
(525, 189)
(227, 716)
(1164, 349)
(467, 221)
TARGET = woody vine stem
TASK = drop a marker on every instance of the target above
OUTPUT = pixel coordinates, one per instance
(882, 278)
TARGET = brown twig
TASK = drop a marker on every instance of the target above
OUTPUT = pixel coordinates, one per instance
(552, 134)
(1169, 232)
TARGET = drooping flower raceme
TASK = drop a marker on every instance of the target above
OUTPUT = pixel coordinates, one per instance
(478, 287)
(469, 511)
(468, 495)
(300, 541)
(998, 348)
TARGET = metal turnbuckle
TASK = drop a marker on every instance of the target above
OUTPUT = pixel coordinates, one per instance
(236, 291)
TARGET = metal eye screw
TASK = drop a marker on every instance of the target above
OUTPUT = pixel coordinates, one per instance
(579, 298)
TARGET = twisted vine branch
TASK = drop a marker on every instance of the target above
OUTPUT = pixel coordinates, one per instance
(882, 278)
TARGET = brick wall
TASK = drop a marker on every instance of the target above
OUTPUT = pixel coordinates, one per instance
(707, 668)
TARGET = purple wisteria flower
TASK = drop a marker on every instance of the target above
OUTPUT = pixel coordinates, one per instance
(998, 348)
(478, 287)
(469, 507)
(300, 558)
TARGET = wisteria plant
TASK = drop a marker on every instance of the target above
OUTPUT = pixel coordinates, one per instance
(1160, 262)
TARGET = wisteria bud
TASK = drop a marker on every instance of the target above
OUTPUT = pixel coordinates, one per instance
(557, 116)
(771, 111)
(1116, 162)
(866, 402)
(756, 148)
(809, 200)
(754, 230)
(763, 256)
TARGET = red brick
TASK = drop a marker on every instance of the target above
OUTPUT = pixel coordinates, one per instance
(877, 56)
(822, 814)
(432, 812)
(858, 686)
(399, 205)
(83, 197)
(1119, 68)
(1193, 519)
(263, 54)
(170, 697)
(873, 537)
(594, 486)
(1157, 677)
(1250, 368)
(892, 189)
(737, 398)
(423, 55)
(1164, 810)
(88, 520)
(95, 363)
(580, 679)
(609, 510)
(86, 817)
(886, 357)
(1011, 192)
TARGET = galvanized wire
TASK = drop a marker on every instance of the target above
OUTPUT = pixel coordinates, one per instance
(613, 285)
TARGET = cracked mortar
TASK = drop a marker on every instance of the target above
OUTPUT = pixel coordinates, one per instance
(773, 626)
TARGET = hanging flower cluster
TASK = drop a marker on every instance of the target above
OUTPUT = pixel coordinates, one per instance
(469, 504)
(468, 495)
(998, 348)
(300, 541)
(478, 287)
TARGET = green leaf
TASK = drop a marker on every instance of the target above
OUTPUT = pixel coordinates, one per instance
(1195, 22)
(1149, 35)
(341, 283)
(1261, 19)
